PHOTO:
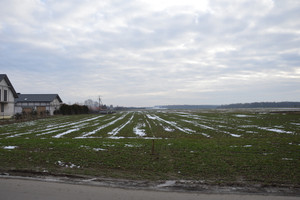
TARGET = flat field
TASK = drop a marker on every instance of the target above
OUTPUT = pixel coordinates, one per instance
(213, 146)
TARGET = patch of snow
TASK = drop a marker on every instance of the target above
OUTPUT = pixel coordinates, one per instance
(65, 133)
(233, 135)
(244, 116)
(167, 183)
(168, 129)
(139, 132)
(10, 147)
(297, 124)
(99, 149)
(275, 130)
(67, 165)
(247, 146)
(131, 145)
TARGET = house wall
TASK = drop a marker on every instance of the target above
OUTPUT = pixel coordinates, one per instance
(51, 107)
(54, 105)
(9, 104)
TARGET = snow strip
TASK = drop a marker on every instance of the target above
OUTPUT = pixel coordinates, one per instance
(233, 135)
(9, 147)
(65, 133)
(102, 127)
(240, 115)
(185, 130)
(297, 124)
(57, 130)
(62, 125)
(19, 134)
(275, 130)
(116, 130)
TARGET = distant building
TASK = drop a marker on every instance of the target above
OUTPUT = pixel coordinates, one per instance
(7, 97)
(41, 103)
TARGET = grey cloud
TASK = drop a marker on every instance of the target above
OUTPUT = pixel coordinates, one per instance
(137, 55)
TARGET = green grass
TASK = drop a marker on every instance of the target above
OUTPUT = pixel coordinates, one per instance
(262, 154)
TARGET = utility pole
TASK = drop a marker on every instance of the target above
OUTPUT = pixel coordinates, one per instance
(100, 103)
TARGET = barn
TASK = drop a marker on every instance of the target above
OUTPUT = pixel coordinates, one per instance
(41, 103)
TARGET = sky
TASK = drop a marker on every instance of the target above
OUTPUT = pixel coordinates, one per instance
(153, 52)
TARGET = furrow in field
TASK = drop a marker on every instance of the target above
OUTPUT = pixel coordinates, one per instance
(61, 126)
(210, 128)
(275, 130)
(74, 128)
(19, 134)
(200, 125)
(173, 124)
(116, 130)
(102, 127)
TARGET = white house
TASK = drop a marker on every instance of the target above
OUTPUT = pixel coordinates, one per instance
(41, 103)
(7, 97)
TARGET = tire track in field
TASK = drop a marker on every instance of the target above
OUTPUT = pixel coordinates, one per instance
(75, 126)
(116, 130)
(87, 135)
(173, 124)
(193, 117)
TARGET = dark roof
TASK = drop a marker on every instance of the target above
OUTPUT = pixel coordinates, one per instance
(4, 76)
(37, 98)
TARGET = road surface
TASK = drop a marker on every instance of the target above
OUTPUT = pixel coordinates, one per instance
(20, 189)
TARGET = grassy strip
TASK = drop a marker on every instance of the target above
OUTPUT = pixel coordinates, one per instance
(258, 156)
(268, 161)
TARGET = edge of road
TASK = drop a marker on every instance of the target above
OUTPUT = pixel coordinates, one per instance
(184, 186)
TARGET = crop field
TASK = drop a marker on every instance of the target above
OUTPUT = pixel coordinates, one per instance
(215, 146)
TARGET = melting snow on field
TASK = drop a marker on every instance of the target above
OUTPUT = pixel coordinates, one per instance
(116, 130)
(243, 115)
(67, 165)
(9, 147)
(275, 130)
(133, 145)
(102, 127)
(173, 124)
(138, 131)
(167, 184)
(297, 124)
(99, 149)
(65, 133)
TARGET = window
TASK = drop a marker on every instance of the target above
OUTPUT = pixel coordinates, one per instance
(2, 107)
(5, 95)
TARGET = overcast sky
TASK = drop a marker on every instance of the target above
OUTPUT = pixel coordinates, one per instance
(153, 52)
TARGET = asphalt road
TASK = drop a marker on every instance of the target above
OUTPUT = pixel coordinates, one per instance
(20, 189)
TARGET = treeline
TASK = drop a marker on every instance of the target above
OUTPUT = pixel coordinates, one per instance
(74, 109)
(188, 107)
(263, 105)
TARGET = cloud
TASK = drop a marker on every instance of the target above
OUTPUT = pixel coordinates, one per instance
(139, 52)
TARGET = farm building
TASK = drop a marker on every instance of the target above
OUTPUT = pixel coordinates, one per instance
(7, 97)
(41, 103)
